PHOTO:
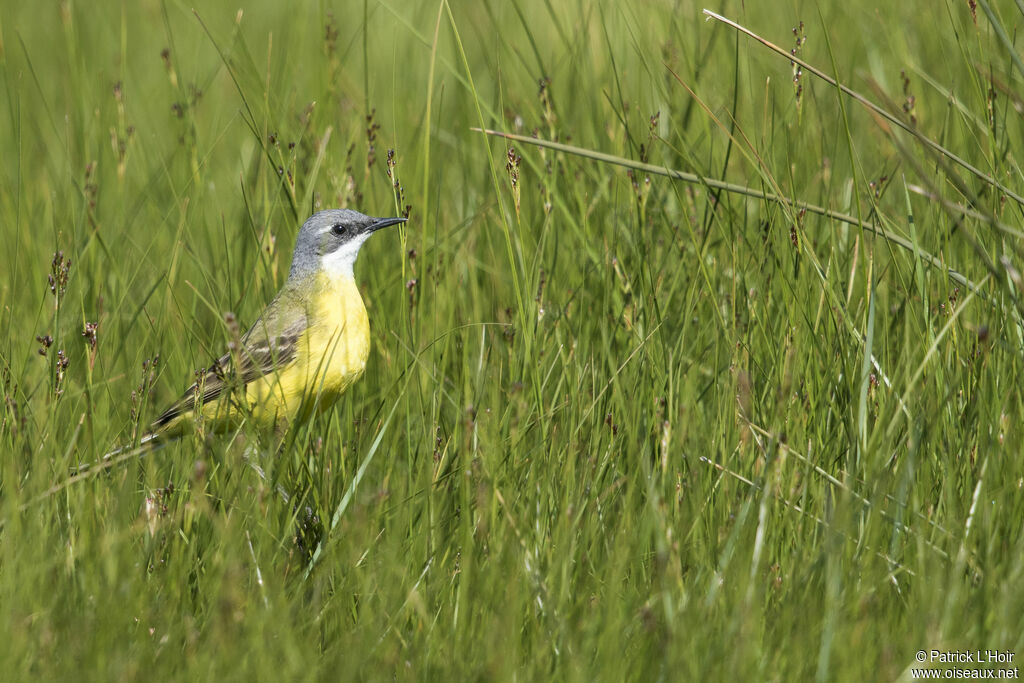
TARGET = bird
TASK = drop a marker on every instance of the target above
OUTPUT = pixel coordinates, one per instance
(307, 347)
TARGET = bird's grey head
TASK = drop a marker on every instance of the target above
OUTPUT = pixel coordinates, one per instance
(330, 241)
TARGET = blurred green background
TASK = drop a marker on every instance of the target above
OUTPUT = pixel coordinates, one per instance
(614, 425)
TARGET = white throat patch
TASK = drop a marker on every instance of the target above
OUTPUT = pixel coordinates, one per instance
(340, 261)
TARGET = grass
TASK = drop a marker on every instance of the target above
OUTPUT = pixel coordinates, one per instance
(667, 421)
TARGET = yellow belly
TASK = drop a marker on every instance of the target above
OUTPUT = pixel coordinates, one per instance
(329, 357)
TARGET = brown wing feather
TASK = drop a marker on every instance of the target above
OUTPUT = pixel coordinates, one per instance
(258, 358)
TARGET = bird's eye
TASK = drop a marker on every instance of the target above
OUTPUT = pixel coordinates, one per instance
(338, 229)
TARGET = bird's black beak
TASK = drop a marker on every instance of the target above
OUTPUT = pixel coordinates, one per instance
(383, 223)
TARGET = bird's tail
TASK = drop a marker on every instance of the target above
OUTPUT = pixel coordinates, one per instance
(147, 444)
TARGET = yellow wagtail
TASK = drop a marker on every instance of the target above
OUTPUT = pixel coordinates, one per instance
(303, 352)
(307, 347)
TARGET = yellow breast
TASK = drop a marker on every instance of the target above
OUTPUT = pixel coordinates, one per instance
(330, 355)
(339, 339)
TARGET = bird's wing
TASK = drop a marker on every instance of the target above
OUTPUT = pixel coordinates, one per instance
(262, 353)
